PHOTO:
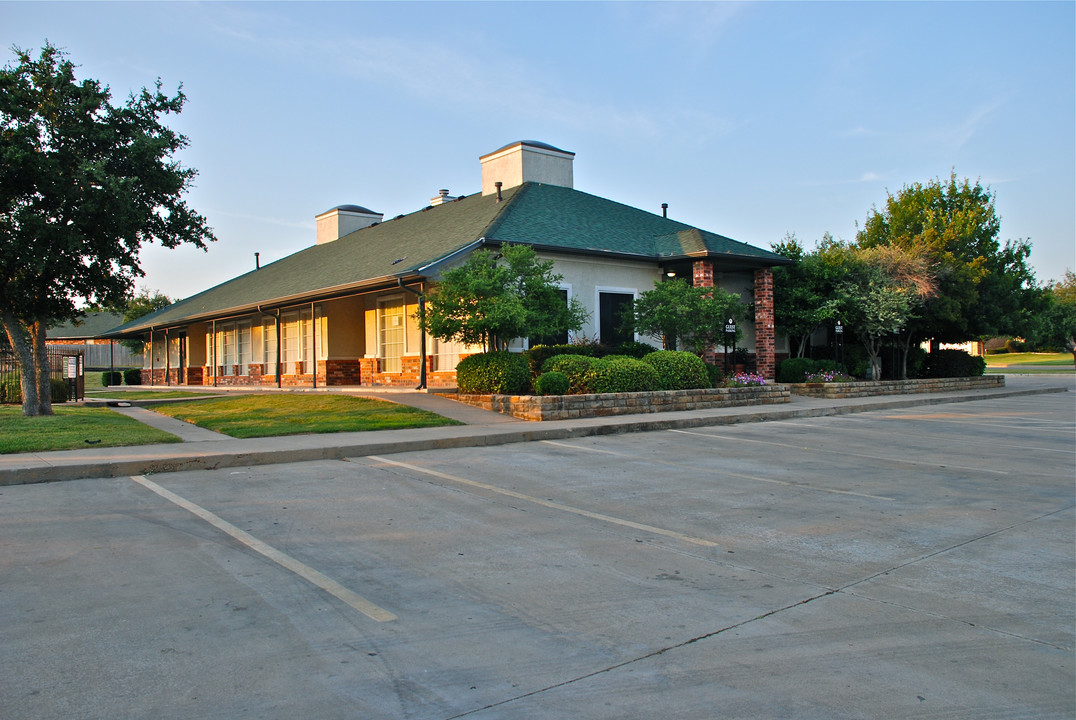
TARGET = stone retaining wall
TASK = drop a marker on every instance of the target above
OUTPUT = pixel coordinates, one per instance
(836, 391)
(565, 407)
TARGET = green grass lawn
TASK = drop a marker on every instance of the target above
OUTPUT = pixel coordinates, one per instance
(72, 427)
(143, 394)
(252, 416)
(1030, 359)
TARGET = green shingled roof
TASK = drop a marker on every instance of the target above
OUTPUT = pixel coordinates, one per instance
(548, 217)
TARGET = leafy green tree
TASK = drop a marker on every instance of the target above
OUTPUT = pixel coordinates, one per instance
(880, 293)
(83, 185)
(142, 303)
(803, 293)
(983, 288)
(493, 299)
(1055, 326)
(684, 316)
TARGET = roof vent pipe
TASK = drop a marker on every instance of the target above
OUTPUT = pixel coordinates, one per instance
(664, 210)
(257, 261)
(498, 186)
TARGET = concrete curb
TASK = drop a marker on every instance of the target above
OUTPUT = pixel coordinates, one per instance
(148, 459)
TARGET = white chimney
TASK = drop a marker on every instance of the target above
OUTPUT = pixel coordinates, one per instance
(442, 198)
(526, 161)
(343, 220)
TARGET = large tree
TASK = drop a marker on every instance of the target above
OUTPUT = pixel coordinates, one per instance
(984, 288)
(494, 298)
(84, 184)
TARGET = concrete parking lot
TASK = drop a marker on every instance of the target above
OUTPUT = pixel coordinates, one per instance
(905, 563)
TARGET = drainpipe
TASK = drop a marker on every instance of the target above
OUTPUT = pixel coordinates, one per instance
(151, 366)
(422, 337)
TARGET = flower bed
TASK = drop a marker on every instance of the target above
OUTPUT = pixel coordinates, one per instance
(565, 407)
(838, 390)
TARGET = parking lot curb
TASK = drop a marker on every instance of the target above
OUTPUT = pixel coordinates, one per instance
(33, 468)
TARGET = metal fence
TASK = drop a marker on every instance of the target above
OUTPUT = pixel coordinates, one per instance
(64, 365)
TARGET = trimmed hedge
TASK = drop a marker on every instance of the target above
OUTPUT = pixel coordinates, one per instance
(951, 364)
(11, 391)
(679, 370)
(493, 373)
(632, 348)
(794, 370)
(539, 354)
(111, 377)
(575, 367)
(551, 383)
(132, 376)
(622, 374)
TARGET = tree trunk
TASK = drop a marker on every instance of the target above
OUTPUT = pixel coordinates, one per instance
(21, 341)
(41, 365)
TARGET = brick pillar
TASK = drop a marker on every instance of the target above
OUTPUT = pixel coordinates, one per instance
(765, 339)
(702, 275)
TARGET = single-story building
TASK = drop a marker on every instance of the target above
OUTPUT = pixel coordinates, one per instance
(342, 311)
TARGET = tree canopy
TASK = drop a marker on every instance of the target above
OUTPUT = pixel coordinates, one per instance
(84, 184)
(494, 298)
(984, 288)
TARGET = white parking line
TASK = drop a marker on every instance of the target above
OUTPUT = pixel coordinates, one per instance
(549, 504)
(287, 562)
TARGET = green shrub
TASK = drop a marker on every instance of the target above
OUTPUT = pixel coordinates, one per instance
(575, 367)
(539, 354)
(1013, 345)
(953, 363)
(551, 383)
(11, 391)
(794, 370)
(679, 370)
(916, 357)
(111, 377)
(132, 376)
(60, 390)
(716, 374)
(494, 373)
(635, 349)
(622, 374)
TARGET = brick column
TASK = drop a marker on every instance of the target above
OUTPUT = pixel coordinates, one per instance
(702, 275)
(765, 339)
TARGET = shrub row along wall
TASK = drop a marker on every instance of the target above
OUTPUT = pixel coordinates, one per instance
(835, 391)
(566, 407)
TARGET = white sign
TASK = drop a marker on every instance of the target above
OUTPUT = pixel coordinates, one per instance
(72, 367)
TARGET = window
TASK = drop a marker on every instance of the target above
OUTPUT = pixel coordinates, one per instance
(558, 339)
(269, 346)
(391, 334)
(613, 309)
(243, 347)
(296, 341)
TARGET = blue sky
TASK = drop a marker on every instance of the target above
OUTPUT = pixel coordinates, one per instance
(751, 120)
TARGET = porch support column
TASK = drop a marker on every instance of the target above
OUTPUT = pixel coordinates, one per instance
(702, 275)
(765, 338)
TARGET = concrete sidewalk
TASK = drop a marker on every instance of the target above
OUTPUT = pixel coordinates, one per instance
(204, 450)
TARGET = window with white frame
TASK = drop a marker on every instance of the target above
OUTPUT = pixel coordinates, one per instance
(392, 333)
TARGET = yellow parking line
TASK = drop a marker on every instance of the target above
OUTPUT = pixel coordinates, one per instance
(287, 562)
(549, 504)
